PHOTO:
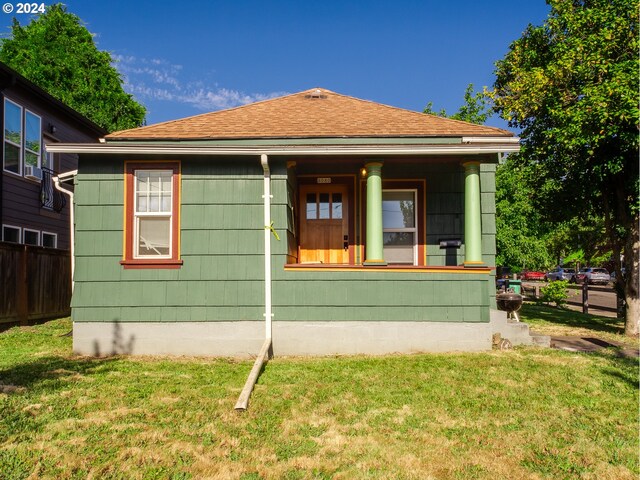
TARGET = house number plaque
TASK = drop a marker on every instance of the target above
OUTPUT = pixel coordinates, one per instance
(324, 180)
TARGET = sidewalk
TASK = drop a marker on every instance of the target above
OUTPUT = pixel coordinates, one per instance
(591, 344)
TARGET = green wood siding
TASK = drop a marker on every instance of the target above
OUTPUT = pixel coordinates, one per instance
(222, 235)
(379, 296)
(488, 208)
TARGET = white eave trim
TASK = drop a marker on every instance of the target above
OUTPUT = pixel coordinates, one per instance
(498, 145)
(494, 140)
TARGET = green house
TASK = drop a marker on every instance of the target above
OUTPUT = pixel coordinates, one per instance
(330, 224)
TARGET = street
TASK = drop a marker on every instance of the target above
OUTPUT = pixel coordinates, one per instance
(602, 300)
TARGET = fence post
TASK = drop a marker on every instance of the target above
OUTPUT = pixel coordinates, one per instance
(22, 293)
(620, 304)
(585, 297)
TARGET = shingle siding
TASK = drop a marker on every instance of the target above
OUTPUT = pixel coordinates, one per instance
(222, 236)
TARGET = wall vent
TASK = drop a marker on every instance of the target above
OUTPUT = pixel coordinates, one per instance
(317, 93)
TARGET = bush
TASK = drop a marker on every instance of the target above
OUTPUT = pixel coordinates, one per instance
(555, 292)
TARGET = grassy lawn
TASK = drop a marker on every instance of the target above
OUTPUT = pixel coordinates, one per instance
(526, 413)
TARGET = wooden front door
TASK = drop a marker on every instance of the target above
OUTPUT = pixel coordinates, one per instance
(324, 224)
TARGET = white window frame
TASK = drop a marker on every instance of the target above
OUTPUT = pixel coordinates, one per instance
(55, 238)
(414, 229)
(22, 147)
(5, 140)
(12, 227)
(140, 215)
(24, 138)
(37, 232)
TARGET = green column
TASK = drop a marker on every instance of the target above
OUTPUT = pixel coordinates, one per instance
(373, 247)
(472, 216)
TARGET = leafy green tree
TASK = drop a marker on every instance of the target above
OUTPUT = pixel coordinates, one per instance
(476, 108)
(519, 236)
(521, 233)
(56, 52)
(571, 86)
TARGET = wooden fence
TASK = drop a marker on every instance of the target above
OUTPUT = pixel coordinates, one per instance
(35, 283)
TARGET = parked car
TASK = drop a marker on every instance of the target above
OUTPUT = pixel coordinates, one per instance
(593, 276)
(560, 273)
(532, 275)
(614, 276)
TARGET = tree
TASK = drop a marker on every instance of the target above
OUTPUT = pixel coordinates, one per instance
(57, 53)
(476, 108)
(571, 86)
(521, 233)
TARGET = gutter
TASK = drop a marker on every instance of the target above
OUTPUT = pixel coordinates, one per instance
(69, 193)
(486, 146)
(507, 140)
(263, 356)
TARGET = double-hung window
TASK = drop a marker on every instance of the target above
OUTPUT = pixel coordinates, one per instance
(12, 137)
(32, 140)
(152, 215)
(400, 233)
(22, 138)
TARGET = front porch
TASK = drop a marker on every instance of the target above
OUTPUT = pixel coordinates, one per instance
(391, 213)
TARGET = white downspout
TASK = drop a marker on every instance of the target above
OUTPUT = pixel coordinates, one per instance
(56, 183)
(243, 399)
(267, 244)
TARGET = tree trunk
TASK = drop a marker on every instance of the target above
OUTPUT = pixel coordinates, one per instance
(631, 262)
(631, 327)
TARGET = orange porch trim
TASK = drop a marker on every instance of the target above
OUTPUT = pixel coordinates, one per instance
(301, 267)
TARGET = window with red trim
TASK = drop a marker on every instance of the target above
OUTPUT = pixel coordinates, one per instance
(152, 215)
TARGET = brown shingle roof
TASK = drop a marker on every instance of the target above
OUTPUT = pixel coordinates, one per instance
(315, 113)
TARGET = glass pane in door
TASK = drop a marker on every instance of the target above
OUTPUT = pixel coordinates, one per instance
(324, 206)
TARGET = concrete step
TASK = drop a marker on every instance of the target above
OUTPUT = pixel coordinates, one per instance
(541, 340)
(517, 333)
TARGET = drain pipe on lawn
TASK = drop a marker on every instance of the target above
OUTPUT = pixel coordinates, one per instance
(263, 356)
(69, 193)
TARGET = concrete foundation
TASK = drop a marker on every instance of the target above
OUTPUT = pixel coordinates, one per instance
(244, 339)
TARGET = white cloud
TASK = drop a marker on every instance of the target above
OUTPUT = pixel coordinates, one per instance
(158, 79)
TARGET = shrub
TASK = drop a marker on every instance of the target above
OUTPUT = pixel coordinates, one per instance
(555, 292)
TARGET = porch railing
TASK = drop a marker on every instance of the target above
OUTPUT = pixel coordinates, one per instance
(50, 198)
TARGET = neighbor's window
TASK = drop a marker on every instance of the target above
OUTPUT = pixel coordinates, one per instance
(12, 136)
(22, 138)
(11, 234)
(30, 237)
(399, 226)
(152, 213)
(33, 141)
(49, 240)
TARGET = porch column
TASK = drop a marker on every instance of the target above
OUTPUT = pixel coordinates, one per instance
(472, 216)
(373, 248)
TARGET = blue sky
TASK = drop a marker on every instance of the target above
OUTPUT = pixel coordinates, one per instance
(186, 58)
